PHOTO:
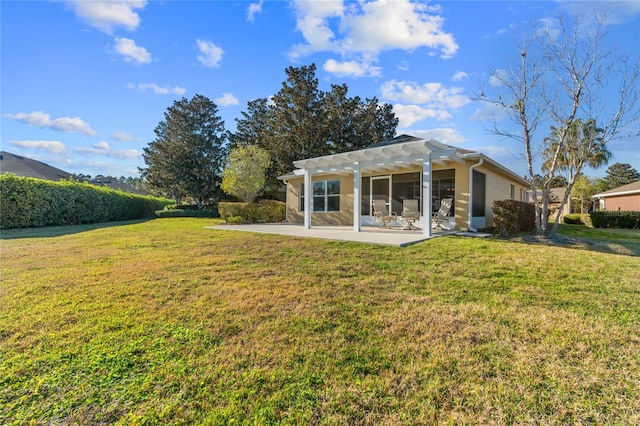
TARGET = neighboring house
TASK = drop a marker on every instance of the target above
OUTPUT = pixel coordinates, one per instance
(555, 198)
(23, 166)
(322, 190)
(625, 197)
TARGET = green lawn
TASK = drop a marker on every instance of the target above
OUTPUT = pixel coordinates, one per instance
(166, 322)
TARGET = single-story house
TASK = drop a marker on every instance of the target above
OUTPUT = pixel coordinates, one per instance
(625, 197)
(339, 189)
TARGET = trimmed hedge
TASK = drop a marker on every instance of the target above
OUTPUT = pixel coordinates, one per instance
(511, 216)
(615, 219)
(269, 211)
(28, 202)
(186, 213)
(573, 219)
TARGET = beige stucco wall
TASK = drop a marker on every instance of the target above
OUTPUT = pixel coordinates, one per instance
(623, 202)
(343, 217)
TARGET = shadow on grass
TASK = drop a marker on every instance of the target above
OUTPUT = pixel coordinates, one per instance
(56, 231)
(581, 237)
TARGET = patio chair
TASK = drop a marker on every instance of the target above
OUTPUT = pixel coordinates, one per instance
(442, 215)
(410, 214)
(381, 213)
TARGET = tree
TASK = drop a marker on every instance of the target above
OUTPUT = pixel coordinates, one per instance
(244, 172)
(188, 154)
(563, 76)
(583, 146)
(620, 174)
(582, 190)
(301, 121)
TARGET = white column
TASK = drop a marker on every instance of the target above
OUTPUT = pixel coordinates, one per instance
(357, 202)
(426, 195)
(307, 199)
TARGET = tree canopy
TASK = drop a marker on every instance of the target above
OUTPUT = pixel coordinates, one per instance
(188, 154)
(244, 172)
(301, 121)
(620, 174)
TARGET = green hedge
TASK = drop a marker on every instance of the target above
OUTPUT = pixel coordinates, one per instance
(269, 211)
(615, 219)
(186, 213)
(573, 219)
(511, 216)
(28, 202)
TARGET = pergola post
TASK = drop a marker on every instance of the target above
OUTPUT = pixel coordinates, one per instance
(307, 199)
(426, 195)
(357, 204)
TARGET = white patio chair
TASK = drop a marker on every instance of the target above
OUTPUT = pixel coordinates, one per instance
(381, 213)
(442, 215)
(410, 214)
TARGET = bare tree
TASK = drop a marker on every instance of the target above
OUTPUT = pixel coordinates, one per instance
(566, 75)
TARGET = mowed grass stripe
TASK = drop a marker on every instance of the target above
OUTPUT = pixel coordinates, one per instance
(166, 322)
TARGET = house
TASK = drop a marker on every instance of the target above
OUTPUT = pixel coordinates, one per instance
(322, 190)
(625, 197)
(555, 198)
(23, 166)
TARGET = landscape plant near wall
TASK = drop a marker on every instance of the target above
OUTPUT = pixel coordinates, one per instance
(28, 202)
(270, 211)
(615, 219)
(511, 216)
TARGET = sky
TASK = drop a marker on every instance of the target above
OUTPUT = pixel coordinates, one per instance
(85, 83)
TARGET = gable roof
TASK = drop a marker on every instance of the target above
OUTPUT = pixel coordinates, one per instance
(628, 189)
(27, 167)
(397, 153)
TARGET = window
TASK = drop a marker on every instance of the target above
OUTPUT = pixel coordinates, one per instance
(326, 196)
(513, 192)
(479, 193)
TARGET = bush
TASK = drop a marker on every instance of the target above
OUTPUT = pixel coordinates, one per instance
(181, 207)
(573, 219)
(269, 211)
(28, 202)
(186, 213)
(511, 216)
(615, 219)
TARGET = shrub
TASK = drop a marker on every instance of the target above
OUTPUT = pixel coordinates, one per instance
(511, 216)
(181, 207)
(186, 213)
(29, 202)
(265, 211)
(615, 219)
(573, 219)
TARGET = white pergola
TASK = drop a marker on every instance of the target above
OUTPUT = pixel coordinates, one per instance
(391, 157)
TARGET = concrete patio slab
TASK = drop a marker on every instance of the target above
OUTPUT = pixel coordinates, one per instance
(368, 234)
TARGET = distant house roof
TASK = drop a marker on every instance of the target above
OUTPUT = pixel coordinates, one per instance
(628, 189)
(27, 167)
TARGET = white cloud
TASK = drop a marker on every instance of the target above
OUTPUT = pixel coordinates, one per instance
(122, 136)
(54, 147)
(351, 68)
(459, 75)
(488, 112)
(158, 90)
(63, 124)
(433, 94)
(210, 54)
(253, 10)
(368, 28)
(445, 135)
(131, 52)
(410, 114)
(227, 99)
(105, 15)
(103, 148)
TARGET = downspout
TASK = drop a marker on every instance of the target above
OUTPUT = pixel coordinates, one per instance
(472, 229)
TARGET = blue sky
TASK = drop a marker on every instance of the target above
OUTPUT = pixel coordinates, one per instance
(84, 83)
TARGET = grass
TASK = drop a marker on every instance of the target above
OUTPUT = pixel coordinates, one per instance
(166, 322)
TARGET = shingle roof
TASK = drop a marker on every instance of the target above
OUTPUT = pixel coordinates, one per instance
(23, 166)
(630, 188)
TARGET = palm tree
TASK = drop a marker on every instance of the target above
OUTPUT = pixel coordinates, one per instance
(583, 145)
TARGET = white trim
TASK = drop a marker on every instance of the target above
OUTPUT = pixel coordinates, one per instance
(427, 190)
(616, 194)
(307, 199)
(357, 201)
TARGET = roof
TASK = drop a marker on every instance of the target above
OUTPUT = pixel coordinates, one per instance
(27, 167)
(628, 189)
(401, 152)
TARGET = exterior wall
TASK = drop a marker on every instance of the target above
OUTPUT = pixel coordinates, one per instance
(498, 187)
(623, 202)
(343, 217)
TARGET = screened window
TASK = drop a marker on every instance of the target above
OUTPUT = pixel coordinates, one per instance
(326, 196)
(479, 194)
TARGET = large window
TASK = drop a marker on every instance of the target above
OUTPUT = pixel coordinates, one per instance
(326, 196)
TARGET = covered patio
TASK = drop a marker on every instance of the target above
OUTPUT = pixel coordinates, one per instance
(367, 234)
